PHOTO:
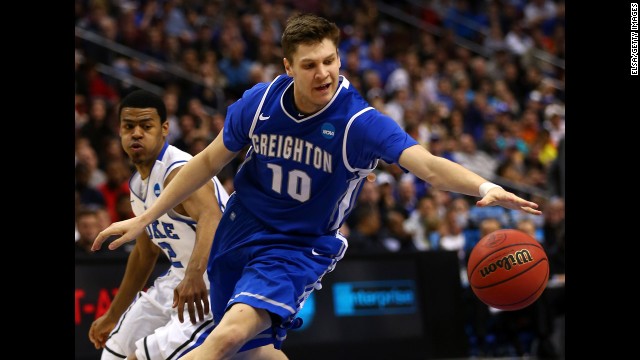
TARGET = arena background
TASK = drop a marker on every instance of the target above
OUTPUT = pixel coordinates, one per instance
(479, 82)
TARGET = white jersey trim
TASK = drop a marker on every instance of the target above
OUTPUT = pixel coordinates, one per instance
(257, 114)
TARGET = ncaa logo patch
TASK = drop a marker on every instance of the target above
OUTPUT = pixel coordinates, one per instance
(328, 131)
(156, 189)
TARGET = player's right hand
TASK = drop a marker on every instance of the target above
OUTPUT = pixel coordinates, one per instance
(128, 229)
(100, 330)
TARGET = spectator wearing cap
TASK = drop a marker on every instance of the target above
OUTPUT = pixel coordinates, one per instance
(554, 122)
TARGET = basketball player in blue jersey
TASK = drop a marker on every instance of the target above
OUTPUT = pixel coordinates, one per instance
(313, 140)
(150, 325)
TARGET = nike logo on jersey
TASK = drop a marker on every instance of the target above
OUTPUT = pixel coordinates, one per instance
(300, 115)
(262, 117)
(313, 252)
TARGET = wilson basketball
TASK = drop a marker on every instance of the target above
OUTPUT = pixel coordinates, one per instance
(508, 269)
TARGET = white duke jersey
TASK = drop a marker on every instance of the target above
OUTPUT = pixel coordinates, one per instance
(174, 233)
(302, 174)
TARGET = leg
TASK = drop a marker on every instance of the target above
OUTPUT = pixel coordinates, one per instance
(238, 325)
(170, 340)
(266, 352)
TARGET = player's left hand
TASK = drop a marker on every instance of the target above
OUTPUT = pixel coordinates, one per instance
(192, 290)
(100, 330)
(499, 196)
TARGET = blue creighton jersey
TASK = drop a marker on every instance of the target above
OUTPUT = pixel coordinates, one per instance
(302, 174)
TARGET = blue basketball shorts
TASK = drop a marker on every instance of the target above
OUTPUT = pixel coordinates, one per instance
(254, 265)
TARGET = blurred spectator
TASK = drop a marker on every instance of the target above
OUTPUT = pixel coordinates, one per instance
(98, 129)
(538, 11)
(365, 236)
(171, 102)
(422, 222)
(88, 227)
(554, 222)
(473, 159)
(123, 207)
(556, 174)
(452, 237)
(407, 198)
(117, 184)
(86, 155)
(477, 215)
(554, 122)
(189, 131)
(395, 238)
(518, 41)
(528, 227)
(89, 196)
(236, 68)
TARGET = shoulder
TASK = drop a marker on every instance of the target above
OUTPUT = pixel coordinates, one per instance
(173, 159)
(173, 154)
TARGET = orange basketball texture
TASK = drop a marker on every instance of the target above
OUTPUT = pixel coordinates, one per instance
(508, 269)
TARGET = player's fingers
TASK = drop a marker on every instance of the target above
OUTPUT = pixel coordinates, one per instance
(192, 311)
(175, 298)
(198, 304)
(205, 301)
(94, 337)
(91, 335)
(531, 211)
(118, 242)
(181, 310)
(97, 243)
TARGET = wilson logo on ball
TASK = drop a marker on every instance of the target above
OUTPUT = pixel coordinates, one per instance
(517, 258)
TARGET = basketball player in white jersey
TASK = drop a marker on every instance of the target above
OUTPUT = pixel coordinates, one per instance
(151, 324)
(313, 139)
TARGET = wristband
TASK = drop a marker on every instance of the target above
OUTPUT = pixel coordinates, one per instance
(486, 186)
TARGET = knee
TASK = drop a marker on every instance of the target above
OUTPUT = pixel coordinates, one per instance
(232, 337)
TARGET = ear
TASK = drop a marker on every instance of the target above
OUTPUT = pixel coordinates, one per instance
(165, 128)
(287, 66)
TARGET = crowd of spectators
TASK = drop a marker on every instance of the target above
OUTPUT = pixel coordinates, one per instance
(496, 107)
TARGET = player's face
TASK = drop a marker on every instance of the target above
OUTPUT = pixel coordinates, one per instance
(141, 134)
(315, 69)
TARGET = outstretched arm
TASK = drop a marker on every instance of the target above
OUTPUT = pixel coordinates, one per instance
(140, 264)
(202, 206)
(193, 175)
(447, 175)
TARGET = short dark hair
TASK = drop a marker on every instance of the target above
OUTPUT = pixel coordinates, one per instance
(307, 29)
(141, 99)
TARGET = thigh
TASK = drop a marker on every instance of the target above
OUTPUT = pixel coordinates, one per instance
(267, 352)
(141, 319)
(169, 341)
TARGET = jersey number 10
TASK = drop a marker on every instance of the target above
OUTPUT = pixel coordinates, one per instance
(298, 183)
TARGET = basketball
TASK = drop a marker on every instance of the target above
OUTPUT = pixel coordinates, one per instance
(508, 269)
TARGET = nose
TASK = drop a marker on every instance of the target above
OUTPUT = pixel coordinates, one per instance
(323, 72)
(137, 132)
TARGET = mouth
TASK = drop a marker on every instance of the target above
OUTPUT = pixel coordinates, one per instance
(136, 147)
(323, 87)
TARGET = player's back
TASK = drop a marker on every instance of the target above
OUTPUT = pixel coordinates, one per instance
(174, 233)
